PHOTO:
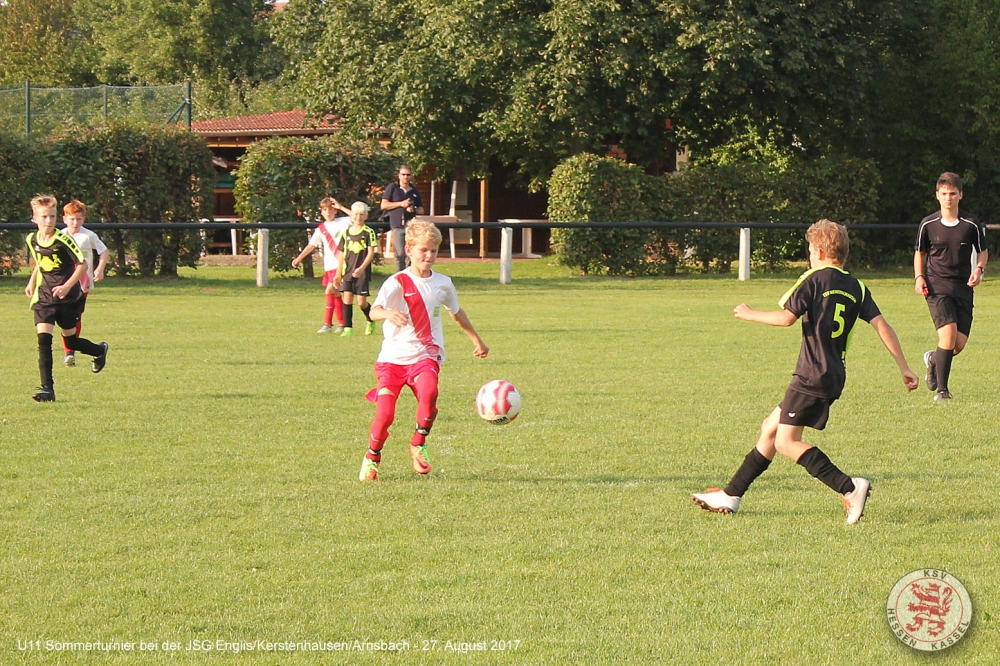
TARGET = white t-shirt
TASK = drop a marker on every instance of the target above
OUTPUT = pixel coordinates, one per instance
(337, 229)
(401, 345)
(88, 242)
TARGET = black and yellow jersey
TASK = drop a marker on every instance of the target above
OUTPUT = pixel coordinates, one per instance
(56, 261)
(356, 244)
(829, 301)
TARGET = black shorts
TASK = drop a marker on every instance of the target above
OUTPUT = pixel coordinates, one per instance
(63, 315)
(951, 310)
(802, 409)
(359, 285)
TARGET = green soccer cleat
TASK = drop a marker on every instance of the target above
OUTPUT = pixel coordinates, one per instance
(418, 456)
(369, 470)
(348, 332)
(369, 328)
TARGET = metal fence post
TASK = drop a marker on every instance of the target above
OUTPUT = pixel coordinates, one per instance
(262, 250)
(27, 108)
(506, 254)
(744, 253)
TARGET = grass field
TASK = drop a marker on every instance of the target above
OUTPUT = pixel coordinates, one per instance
(204, 487)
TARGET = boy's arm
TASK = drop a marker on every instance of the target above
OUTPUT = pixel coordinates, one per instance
(369, 256)
(919, 282)
(462, 319)
(980, 269)
(769, 317)
(102, 262)
(61, 290)
(309, 249)
(29, 290)
(395, 317)
(891, 343)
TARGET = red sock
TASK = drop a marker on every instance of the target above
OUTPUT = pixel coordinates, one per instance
(385, 412)
(426, 389)
(338, 308)
(66, 349)
(328, 310)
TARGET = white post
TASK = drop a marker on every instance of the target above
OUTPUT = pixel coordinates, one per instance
(744, 253)
(506, 254)
(262, 250)
(433, 199)
(232, 234)
(451, 211)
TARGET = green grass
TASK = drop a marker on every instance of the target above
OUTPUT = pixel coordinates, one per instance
(204, 486)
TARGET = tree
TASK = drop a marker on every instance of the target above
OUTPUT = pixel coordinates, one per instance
(42, 42)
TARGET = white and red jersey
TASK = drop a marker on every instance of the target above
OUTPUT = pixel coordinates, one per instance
(329, 237)
(420, 298)
(88, 242)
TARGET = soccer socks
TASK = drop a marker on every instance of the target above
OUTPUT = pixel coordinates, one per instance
(82, 345)
(385, 413)
(338, 309)
(348, 315)
(66, 349)
(753, 466)
(817, 464)
(365, 309)
(426, 389)
(45, 358)
(328, 311)
(942, 366)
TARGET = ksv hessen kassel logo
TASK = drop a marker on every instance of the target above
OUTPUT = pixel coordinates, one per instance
(929, 610)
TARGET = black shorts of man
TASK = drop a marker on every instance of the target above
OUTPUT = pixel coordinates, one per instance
(945, 272)
(55, 293)
(403, 202)
(829, 300)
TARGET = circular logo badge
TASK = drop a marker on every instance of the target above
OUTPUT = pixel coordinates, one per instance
(929, 610)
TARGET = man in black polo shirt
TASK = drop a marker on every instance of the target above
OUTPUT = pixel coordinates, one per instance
(944, 275)
(402, 200)
(829, 300)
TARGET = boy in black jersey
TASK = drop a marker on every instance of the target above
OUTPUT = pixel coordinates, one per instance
(943, 274)
(830, 301)
(356, 267)
(55, 293)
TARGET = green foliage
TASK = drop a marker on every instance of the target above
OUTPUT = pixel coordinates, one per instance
(132, 173)
(17, 186)
(42, 43)
(595, 189)
(284, 179)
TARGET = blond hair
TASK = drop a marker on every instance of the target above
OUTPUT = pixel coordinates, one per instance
(360, 207)
(418, 230)
(75, 207)
(830, 237)
(43, 201)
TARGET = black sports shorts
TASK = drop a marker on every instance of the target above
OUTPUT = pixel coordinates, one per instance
(951, 310)
(64, 315)
(359, 285)
(802, 409)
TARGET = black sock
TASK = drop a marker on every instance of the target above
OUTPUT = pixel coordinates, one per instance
(83, 345)
(942, 365)
(365, 309)
(817, 464)
(348, 315)
(753, 466)
(45, 358)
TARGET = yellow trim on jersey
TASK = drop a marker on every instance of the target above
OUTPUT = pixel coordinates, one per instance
(802, 278)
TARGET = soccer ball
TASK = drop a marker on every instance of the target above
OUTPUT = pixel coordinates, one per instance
(498, 402)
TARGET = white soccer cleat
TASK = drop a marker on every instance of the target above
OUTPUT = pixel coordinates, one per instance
(715, 499)
(325, 328)
(854, 501)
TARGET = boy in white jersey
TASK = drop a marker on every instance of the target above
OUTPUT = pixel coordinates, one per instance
(409, 303)
(329, 236)
(74, 215)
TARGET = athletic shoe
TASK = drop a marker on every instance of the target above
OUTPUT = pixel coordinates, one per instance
(98, 363)
(369, 328)
(44, 394)
(325, 328)
(942, 395)
(714, 499)
(339, 329)
(348, 332)
(854, 501)
(418, 456)
(931, 377)
(369, 470)
(69, 360)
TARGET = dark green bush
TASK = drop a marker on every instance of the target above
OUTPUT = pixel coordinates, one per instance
(17, 186)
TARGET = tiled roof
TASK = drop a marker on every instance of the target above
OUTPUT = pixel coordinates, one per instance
(279, 122)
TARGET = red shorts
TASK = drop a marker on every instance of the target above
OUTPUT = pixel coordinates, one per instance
(329, 277)
(394, 377)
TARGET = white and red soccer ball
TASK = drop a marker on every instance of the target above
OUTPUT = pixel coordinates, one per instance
(498, 402)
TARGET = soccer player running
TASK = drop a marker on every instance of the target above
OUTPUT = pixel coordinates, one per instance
(74, 215)
(409, 303)
(944, 274)
(829, 300)
(55, 293)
